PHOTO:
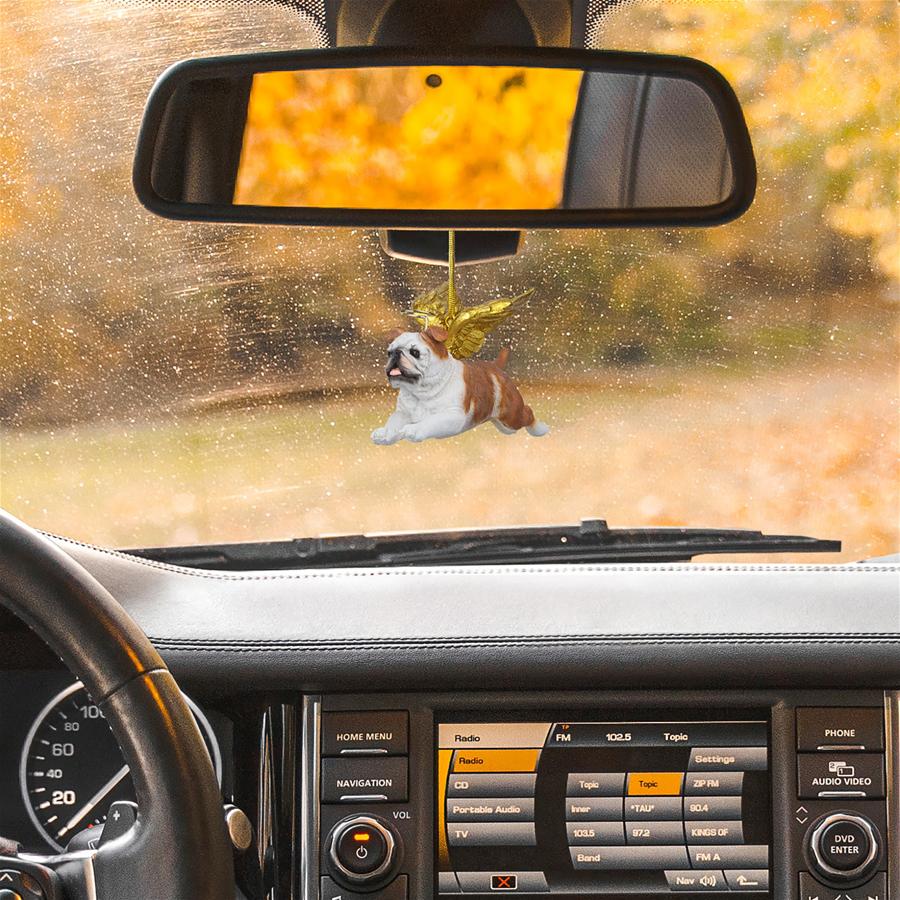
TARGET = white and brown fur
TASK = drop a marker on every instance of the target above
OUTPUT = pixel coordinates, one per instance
(439, 396)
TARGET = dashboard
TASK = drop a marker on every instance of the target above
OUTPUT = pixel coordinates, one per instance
(627, 732)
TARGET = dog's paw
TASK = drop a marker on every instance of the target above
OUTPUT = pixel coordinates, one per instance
(412, 433)
(383, 437)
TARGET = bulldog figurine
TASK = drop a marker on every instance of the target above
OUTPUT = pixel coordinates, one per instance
(439, 396)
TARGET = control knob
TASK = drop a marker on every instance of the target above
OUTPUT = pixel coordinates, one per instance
(844, 847)
(362, 850)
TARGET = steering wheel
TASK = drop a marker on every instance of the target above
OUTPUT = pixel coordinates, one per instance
(178, 849)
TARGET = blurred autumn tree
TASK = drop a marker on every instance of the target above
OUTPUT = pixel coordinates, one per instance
(108, 312)
(818, 83)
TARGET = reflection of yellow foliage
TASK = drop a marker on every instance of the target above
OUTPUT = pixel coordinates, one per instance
(487, 137)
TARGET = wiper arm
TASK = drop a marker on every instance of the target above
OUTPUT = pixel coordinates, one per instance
(591, 541)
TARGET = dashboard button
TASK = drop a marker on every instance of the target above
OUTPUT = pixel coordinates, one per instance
(491, 834)
(381, 732)
(594, 809)
(700, 832)
(611, 858)
(810, 889)
(488, 809)
(362, 851)
(875, 889)
(447, 883)
(16, 884)
(840, 775)
(608, 833)
(495, 760)
(654, 833)
(748, 880)
(396, 890)
(595, 784)
(491, 785)
(740, 856)
(331, 890)
(725, 759)
(829, 728)
(371, 780)
(655, 784)
(696, 882)
(503, 882)
(653, 808)
(843, 847)
(706, 784)
(720, 808)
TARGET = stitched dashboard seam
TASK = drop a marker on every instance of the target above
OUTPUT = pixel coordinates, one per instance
(541, 638)
(355, 647)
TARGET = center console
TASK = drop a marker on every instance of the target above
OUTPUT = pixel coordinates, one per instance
(790, 796)
(630, 807)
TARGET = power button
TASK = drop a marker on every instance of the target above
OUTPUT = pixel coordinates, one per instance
(361, 850)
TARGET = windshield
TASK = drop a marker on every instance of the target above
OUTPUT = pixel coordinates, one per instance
(164, 383)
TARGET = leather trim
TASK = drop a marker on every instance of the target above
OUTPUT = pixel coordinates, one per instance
(519, 626)
(516, 641)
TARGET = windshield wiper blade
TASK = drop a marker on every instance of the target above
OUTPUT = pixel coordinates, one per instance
(591, 541)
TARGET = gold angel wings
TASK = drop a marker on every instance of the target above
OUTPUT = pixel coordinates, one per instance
(467, 326)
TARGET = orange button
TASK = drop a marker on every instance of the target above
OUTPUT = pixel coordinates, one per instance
(495, 760)
(656, 784)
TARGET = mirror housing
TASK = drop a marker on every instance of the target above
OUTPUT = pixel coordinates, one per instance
(654, 141)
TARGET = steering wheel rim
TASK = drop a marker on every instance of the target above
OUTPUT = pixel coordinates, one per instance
(178, 848)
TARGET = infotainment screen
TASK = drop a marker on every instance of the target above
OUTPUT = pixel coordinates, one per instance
(619, 809)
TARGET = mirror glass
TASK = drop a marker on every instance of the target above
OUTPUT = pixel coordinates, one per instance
(541, 138)
(479, 138)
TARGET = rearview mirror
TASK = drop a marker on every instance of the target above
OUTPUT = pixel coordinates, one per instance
(383, 138)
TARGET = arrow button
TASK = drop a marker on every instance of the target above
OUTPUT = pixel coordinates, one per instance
(810, 889)
(396, 890)
(876, 889)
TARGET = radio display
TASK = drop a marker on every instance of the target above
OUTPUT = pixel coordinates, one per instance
(618, 809)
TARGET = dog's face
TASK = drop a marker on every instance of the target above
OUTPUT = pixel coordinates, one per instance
(415, 357)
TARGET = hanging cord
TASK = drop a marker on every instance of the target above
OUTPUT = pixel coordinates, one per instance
(452, 301)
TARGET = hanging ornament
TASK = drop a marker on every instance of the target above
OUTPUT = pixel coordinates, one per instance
(441, 392)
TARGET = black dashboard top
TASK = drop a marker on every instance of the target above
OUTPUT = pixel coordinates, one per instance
(541, 627)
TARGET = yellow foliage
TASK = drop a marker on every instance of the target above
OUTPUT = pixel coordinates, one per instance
(818, 83)
(487, 137)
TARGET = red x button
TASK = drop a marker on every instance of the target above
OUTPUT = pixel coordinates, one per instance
(504, 882)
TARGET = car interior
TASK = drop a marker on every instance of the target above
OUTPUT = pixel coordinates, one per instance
(282, 617)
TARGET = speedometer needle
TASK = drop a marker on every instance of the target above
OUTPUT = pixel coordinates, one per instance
(93, 801)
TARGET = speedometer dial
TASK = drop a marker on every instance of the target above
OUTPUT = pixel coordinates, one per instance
(72, 769)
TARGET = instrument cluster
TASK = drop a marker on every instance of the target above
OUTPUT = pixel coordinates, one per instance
(70, 770)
